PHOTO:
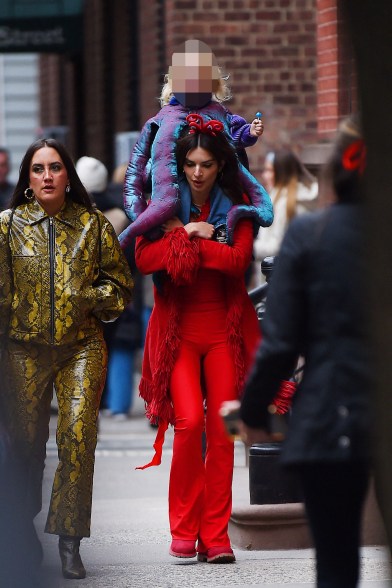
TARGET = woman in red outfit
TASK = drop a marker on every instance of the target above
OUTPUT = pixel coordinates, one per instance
(201, 337)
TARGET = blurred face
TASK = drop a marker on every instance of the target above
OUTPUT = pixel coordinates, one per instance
(48, 179)
(201, 170)
(194, 77)
(268, 176)
(4, 167)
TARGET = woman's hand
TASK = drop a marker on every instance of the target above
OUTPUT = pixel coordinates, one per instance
(171, 224)
(249, 435)
(230, 413)
(202, 229)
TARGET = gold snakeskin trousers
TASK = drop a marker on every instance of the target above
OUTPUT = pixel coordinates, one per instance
(77, 373)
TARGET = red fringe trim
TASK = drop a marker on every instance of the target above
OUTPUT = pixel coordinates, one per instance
(145, 390)
(158, 445)
(284, 398)
(234, 333)
(183, 257)
(156, 392)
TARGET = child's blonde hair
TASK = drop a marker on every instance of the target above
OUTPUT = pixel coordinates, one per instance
(220, 90)
(221, 93)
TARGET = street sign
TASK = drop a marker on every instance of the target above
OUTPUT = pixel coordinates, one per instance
(41, 27)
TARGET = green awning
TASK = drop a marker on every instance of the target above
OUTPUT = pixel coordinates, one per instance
(49, 26)
(39, 8)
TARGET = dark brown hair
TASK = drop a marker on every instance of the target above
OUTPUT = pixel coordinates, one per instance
(287, 166)
(289, 171)
(77, 193)
(228, 178)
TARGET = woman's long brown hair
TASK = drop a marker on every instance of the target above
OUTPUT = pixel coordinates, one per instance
(77, 193)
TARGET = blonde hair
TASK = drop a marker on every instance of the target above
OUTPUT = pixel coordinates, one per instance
(291, 203)
(221, 91)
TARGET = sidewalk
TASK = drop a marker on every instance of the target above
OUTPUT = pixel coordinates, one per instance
(130, 536)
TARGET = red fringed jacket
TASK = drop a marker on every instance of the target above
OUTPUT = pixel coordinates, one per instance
(185, 260)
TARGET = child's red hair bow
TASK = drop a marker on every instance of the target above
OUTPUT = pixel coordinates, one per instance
(198, 125)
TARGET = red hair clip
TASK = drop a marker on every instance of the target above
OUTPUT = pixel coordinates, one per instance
(354, 157)
(197, 125)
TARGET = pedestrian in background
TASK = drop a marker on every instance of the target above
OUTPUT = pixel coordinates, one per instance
(128, 337)
(95, 178)
(316, 308)
(116, 184)
(62, 275)
(126, 343)
(293, 191)
(6, 187)
(201, 336)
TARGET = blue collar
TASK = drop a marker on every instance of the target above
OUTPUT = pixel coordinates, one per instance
(220, 204)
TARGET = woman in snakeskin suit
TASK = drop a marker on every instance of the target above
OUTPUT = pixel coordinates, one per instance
(62, 275)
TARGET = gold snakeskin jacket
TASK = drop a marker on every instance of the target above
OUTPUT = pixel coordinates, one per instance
(60, 276)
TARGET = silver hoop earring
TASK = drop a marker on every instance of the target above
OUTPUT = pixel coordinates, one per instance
(29, 194)
(68, 187)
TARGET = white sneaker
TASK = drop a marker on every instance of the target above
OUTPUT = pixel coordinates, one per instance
(120, 416)
(106, 412)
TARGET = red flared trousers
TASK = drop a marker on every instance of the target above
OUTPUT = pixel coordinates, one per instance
(200, 497)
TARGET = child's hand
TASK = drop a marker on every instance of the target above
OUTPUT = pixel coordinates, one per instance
(256, 127)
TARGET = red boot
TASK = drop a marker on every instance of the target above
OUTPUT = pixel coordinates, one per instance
(182, 548)
(218, 555)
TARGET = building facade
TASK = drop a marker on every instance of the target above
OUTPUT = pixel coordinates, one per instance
(285, 58)
(267, 47)
(19, 105)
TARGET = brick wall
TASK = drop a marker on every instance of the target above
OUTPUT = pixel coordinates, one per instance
(93, 93)
(58, 88)
(74, 89)
(336, 77)
(50, 82)
(124, 65)
(269, 49)
(95, 73)
(152, 63)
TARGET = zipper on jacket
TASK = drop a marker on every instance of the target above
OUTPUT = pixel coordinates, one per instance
(51, 262)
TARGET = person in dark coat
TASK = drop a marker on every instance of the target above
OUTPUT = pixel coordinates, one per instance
(316, 308)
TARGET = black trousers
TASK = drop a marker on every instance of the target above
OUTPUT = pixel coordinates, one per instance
(334, 495)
